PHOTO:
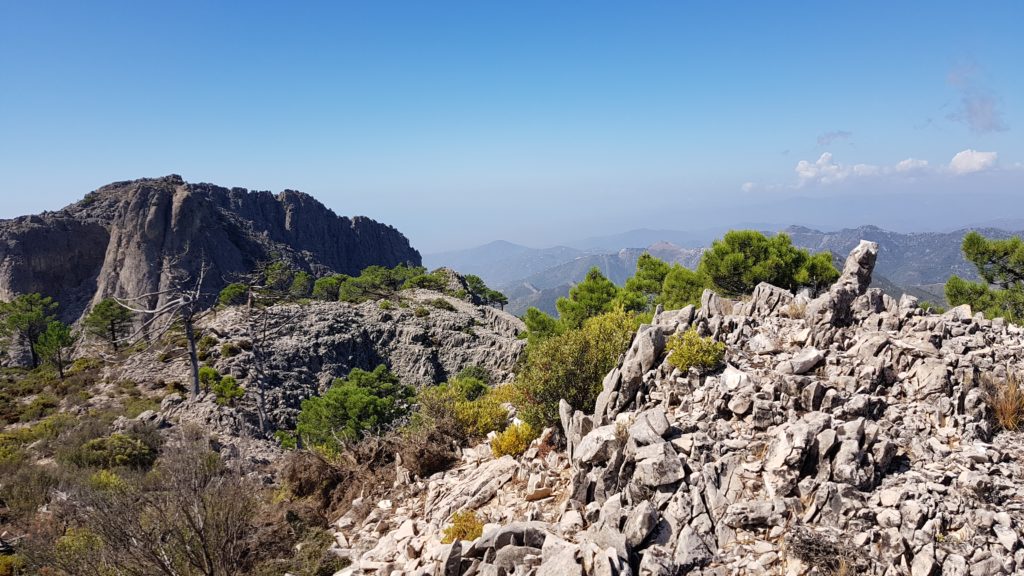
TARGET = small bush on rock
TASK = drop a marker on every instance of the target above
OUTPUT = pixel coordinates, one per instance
(1006, 398)
(442, 304)
(227, 391)
(230, 350)
(466, 525)
(692, 351)
(513, 441)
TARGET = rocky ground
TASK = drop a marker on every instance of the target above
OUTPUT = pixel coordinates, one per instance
(847, 434)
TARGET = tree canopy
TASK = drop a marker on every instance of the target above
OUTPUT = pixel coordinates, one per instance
(742, 259)
(54, 345)
(594, 295)
(26, 318)
(361, 402)
(109, 321)
(1000, 264)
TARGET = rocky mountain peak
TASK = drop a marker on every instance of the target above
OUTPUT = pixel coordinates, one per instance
(117, 240)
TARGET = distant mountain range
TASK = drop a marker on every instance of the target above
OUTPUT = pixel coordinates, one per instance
(915, 263)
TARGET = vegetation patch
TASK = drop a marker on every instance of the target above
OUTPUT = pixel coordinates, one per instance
(466, 525)
(692, 351)
(513, 441)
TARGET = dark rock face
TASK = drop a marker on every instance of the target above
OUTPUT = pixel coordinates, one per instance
(128, 238)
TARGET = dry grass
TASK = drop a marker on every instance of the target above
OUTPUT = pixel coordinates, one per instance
(795, 310)
(1006, 398)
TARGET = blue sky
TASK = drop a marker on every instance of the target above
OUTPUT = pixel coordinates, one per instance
(537, 122)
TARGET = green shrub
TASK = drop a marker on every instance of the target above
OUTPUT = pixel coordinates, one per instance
(436, 281)
(744, 258)
(466, 525)
(106, 481)
(364, 401)
(386, 305)
(481, 416)
(442, 304)
(571, 365)
(112, 451)
(327, 288)
(227, 391)
(692, 351)
(513, 441)
(84, 365)
(13, 565)
(208, 377)
(41, 406)
(234, 295)
(475, 372)
(230, 350)
(302, 285)
(593, 296)
(287, 440)
(420, 312)
(463, 408)
(205, 345)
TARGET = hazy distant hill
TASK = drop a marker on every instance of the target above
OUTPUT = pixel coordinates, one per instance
(501, 262)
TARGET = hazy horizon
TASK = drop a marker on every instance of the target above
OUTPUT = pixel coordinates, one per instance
(533, 123)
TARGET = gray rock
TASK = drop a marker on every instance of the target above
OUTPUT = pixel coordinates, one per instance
(598, 445)
(649, 427)
(640, 523)
(658, 465)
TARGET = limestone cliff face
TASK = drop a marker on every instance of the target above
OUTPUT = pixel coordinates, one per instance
(119, 240)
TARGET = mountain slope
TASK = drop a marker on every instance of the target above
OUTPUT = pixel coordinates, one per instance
(130, 238)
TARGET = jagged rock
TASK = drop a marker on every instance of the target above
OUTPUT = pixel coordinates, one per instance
(649, 427)
(598, 445)
(766, 300)
(658, 465)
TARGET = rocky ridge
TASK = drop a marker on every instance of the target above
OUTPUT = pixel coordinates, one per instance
(846, 434)
(421, 340)
(131, 238)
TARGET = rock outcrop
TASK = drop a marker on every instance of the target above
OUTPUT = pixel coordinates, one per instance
(128, 238)
(424, 339)
(846, 434)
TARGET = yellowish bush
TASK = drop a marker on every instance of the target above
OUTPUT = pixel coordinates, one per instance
(466, 525)
(513, 441)
(1006, 398)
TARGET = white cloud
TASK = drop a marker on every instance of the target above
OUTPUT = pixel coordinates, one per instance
(911, 165)
(968, 161)
(827, 171)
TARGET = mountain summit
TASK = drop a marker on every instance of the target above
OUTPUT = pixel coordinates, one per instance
(128, 238)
